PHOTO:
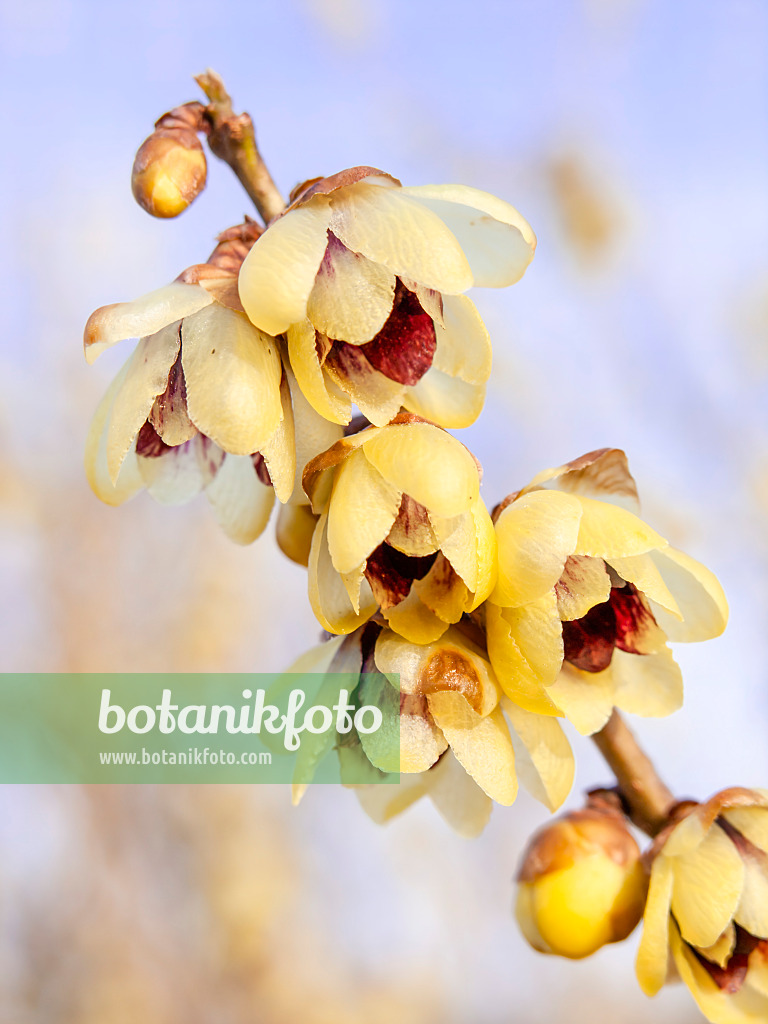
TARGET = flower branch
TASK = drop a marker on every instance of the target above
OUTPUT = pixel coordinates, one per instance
(648, 799)
(232, 139)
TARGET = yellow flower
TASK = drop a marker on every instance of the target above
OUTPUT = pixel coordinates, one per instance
(365, 278)
(457, 739)
(401, 529)
(588, 595)
(581, 884)
(708, 907)
(202, 403)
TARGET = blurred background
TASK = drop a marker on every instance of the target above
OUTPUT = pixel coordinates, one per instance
(632, 135)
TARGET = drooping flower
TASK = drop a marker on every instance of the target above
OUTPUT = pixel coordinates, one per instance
(588, 596)
(365, 277)
(581, 884)
(447, 728)
(401, 529)
(202, 403)
(707, 908)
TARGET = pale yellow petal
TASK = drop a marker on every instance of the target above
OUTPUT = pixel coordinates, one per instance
(487, 554)
(538, 633)
(752, 822)
(327, 594)
(413, 620)
(320, 391)
(463, 343)
(448, 401)
(279, 452)
(233, 373)
(482, 745)
(699, 596)
(294, 529)
(650, 685)
(543, 755)
(586, 698)
(403, 235)
(535, 535)
(129, 480)
(142, 317)
(382, 747)
(516, 676)
(428, 464)
(752, 912)
(583, 584)
(457, 797)
(279, 272)
(642, 572)
(498, 243)
(313, 434)
(743, 1007)
(443, 591)
(602, 474)
(352, 297)
(457, 538)
(653, 952)
(385, 801)
(146, 378)
(412, 532)
(722, 950)
(241, 502)
(362, 509)
(609, 531)
(707, 888)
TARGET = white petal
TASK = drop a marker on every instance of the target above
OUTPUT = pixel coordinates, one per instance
(496, 240)
(233, 376)
(174, 477)
(279, 272)
(240, 501)
(143, 316)
(392, 229)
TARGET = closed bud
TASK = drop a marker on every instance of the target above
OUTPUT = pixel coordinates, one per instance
(581, 885)
(170, 169)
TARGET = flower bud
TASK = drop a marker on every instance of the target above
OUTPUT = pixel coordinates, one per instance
(170, 169)
(581, 884)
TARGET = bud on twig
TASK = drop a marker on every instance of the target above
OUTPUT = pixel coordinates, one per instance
(581, 884)
(170, 169)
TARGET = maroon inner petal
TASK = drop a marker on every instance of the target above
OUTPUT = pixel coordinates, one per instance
(589, 641)
(149, 444)
(391, 573)
(634, 619)
(731, 977)
(404, 348)
(261, 469)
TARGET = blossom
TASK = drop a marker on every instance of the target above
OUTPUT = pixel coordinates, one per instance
(202, 403)
(447, 728)
(365, 277)
(708, 907)
(581, 884)
(401, 529)
(588, 596)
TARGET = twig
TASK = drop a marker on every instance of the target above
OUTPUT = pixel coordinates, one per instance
(647, 797)
(232, 138)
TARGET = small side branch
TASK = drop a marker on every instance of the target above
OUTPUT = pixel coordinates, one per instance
(232, 139)
(648, 799)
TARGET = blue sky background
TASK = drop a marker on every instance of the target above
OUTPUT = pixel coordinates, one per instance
(632, 135)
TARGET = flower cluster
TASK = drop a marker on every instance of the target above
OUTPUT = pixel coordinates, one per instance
(320, 360)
